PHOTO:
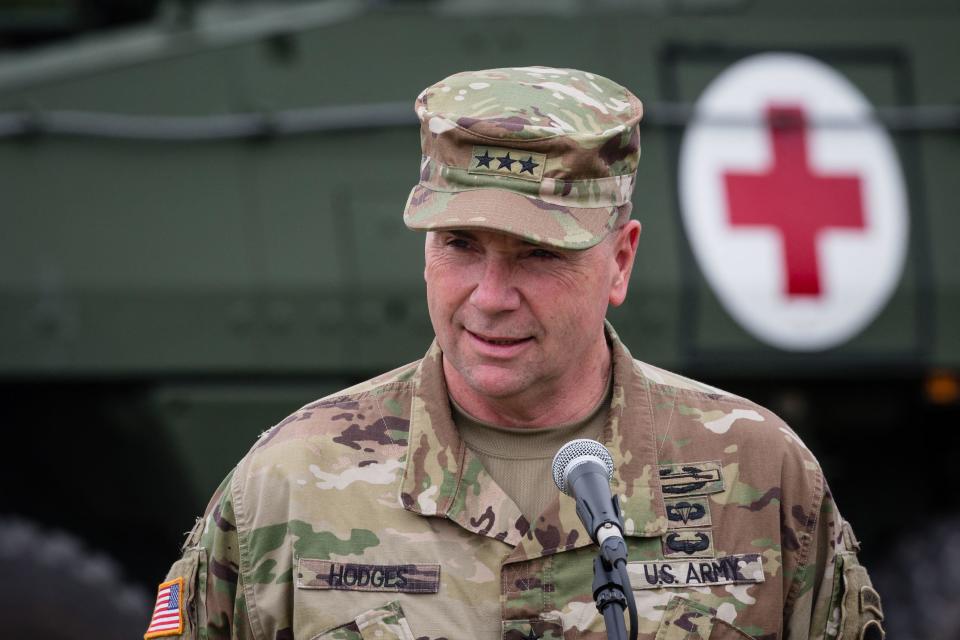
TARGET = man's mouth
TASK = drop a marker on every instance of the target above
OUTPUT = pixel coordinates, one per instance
(498, 340)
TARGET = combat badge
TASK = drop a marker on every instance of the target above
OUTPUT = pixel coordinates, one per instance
(691, 478)
(687, 512)
(689, 543)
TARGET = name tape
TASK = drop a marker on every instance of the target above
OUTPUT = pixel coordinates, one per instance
(350, 576)
(733, 569)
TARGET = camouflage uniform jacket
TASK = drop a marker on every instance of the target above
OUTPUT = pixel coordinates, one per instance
(363, 515)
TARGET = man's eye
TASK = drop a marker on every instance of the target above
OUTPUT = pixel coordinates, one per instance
(458, 243)
(543, 254)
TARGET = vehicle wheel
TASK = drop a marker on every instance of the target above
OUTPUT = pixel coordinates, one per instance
(55, 589)
(920, 584)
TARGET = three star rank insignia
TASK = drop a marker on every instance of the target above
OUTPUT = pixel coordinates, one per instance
(501, 161)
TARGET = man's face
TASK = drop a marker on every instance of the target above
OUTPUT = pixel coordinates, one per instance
(514, 317)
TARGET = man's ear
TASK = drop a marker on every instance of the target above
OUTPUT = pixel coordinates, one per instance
(624, 251)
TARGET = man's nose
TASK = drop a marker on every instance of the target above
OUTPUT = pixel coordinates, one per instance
(495, 290)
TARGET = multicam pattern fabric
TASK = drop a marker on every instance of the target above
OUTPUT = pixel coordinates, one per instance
(546, 154)
(376, 477)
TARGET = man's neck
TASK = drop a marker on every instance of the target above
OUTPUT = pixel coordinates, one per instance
(537, 407)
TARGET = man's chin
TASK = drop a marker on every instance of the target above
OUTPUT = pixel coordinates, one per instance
(496, 382)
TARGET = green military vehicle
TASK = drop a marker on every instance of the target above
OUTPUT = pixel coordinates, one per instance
(202, 232)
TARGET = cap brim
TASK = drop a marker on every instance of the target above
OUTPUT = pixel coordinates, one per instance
(509, 212)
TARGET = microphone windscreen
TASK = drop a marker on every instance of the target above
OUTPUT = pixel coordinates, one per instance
(578, 449)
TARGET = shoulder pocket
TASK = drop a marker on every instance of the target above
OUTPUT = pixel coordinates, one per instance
(685, 619)
(861, 613)
(383, 623)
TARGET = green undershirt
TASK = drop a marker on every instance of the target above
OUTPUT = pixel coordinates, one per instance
(500, 449)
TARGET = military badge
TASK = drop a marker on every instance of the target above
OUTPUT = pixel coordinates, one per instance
(515, 163)
(691, 478)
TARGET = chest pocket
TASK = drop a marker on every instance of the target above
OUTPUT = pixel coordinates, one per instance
(686, 620)
(383, 623)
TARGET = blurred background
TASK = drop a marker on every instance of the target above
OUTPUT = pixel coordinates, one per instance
(201, 232)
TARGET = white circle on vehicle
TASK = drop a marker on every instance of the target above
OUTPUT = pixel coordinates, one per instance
(793, 200)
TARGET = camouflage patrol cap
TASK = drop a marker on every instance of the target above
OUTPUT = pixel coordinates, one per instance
(549, 155)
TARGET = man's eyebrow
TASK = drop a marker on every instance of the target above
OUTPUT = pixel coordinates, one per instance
(468, 235)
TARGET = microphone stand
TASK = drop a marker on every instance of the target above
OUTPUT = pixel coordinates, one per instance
(611, 585)
(588, 474)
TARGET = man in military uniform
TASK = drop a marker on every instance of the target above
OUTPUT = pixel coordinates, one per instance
(419, 504)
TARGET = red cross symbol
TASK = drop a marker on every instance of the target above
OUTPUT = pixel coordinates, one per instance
(795, 201)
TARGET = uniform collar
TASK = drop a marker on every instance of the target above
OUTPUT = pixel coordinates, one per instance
(443, 478)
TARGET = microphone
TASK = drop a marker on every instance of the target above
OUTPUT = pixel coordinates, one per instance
(582, 469)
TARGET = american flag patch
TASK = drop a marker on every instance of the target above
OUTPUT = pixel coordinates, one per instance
(167, 617)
